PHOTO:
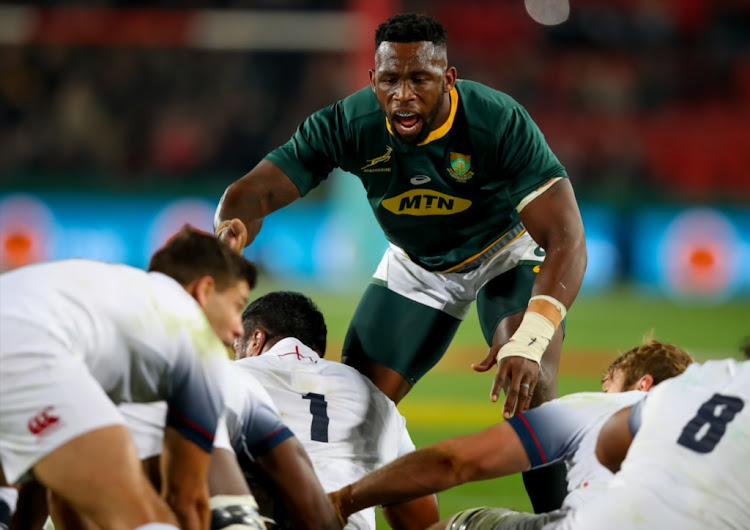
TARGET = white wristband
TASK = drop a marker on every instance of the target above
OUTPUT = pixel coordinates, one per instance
(530, 339)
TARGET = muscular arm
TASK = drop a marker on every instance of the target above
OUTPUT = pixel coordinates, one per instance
(184, 480)
(289, 468)
(493, 452)
(614, 440)
(412, 515)
(553, 220)
(265, 189)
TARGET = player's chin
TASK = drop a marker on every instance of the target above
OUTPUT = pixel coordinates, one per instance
(409, 135)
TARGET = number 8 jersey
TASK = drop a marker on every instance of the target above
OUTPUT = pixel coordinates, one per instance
(687, 465)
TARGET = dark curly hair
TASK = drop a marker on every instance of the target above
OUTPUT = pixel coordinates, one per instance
(411, 27)
(284, 314)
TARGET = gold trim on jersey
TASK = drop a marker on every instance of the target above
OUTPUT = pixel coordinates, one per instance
(445, 127)
(477, 259)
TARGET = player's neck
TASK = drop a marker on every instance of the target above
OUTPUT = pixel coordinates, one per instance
(443, 114)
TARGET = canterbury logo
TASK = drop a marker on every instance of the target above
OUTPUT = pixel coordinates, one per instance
(383, 158)
(42, 421)
(425, 202)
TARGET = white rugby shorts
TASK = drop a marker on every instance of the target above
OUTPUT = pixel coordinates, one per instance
(450, 292)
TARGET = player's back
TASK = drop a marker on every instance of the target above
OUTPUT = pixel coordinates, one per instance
(125, 323)
(685, 468)
(693, 441)
(347, 426)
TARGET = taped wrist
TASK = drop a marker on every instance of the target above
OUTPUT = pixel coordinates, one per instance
(548, 307)
(235, 512)
(339, 499)
(539, 323)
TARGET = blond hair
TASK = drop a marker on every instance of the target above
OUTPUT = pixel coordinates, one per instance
(659, 359)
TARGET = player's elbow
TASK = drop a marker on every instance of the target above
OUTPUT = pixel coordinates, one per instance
(455, 469)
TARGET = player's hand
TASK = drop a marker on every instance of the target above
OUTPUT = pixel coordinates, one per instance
(233, 233)
(512, 372)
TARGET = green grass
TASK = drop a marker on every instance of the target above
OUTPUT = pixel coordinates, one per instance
(615, 321)
(446, 403)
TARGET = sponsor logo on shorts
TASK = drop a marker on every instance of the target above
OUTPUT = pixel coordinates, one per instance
(42, 422)
(425, 202)
(378, 160)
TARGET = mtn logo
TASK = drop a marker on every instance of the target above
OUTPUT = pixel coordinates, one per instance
(422, 202)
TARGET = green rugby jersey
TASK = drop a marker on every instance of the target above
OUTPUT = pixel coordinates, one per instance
(444, 201)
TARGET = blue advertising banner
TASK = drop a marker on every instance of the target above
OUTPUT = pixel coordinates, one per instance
(695, 254)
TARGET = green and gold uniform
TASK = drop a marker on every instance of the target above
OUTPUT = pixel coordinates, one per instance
(449, 203)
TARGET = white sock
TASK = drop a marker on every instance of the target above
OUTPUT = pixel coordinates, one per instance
(157, 526)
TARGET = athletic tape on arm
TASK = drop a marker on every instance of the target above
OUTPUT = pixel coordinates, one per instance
(536, 330)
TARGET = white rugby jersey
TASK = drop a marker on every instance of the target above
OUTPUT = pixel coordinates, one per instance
(567, 429)
(347, 426)
(687, 465)
(253, 423)
(250, 426)
(141, 335)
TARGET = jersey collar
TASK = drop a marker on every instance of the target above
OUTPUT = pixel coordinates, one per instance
(445, 127)
(293, 348)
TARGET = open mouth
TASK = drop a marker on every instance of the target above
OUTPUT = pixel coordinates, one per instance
(406, 123)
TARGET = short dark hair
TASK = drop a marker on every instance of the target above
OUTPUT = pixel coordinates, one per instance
(287, 314)
(659, 359)
(192, 254)
(411, 27)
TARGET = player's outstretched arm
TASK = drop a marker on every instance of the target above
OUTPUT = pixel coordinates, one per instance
(493, 452)
(554, 221)
(184, 480)
(289, 468)
(614, 440)
(239, 216)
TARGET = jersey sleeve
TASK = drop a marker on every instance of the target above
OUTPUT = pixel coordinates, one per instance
(405, 444)
(221, 440)
(549, 432)
(195, 400)
(525, 156)
(314, 150)
(634, 418)
(253, 421)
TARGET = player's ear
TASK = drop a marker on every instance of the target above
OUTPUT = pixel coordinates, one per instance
(372, 80)
(201, 289)
(450, 78)
(645, 383)
(255, 343)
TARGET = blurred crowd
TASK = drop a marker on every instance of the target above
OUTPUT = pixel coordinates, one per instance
(634, 97)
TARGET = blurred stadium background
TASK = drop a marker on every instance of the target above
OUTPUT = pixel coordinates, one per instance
(121, 120)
